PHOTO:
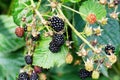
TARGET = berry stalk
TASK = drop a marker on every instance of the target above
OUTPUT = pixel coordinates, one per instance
(76, 32)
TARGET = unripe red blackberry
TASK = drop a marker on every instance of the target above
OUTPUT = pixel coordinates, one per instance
(56, 23)
(34, 76)
(84, 74)
(37, 69)
(23, 76)
(58, 39)
(28, 59)
(53, 47)
(109, 49)
(19, 31)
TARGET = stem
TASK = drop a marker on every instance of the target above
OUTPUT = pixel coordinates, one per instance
(76, 32)
(73, 10)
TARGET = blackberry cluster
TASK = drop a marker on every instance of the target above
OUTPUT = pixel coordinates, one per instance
(35, 38)
(56, 43)
(34, 76)
(23, 76)
(84, 74)
(56, 23)
(116, 2)
(109, 49)
(28, 59)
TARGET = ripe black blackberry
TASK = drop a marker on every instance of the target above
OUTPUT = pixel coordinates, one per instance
(23, 76)
(84, 74)
(56, 23)
(58, 39)
(109, 49)
(53, 47)
(34, 76)
(28, 59)
(35, 38)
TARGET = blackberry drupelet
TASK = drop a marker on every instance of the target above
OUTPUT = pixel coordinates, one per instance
(56, 23)
(35, 38)
(109, 49)
(53, 47)
(28, 59)
(23, 76)
(34, 76)
(84, 74)
(58, 39)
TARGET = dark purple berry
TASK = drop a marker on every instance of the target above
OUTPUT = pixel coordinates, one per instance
(34, 76)
(84, 73)
(23, 76)
(56, 23)
(35, 38)
(53, 47)
(109, 49)
(58, 39)
(28, 59)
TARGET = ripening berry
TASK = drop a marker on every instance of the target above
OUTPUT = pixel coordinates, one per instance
(69, 58)
(19, 31)
(91, 18)
(89, 65)
(95, 74)
(37, 69)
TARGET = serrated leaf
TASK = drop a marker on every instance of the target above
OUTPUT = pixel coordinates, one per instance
(8, 40)
(43, 57)
(104, 70)
(10, 65)
(20, 10)
(110, 33)
(92, 6)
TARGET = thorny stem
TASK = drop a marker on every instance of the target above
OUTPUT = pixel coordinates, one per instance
(76, 32)
(73, 10)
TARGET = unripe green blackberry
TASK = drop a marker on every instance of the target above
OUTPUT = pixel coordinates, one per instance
(56, 23)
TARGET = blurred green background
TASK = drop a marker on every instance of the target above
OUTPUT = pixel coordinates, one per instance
(12, 48)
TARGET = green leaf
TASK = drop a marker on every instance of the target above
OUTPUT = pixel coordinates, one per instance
(10, 65)
(72, 1)
(110, 33)
(104, 70)
(92, 6)
(43, 57)
(8, 40)
(20, 10)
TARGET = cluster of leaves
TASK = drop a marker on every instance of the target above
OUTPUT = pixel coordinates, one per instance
(10, 46)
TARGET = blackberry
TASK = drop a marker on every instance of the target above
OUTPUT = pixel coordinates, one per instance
(58, 39)
(109, 49)
(53, 47)
(23, 76)
(28, 59)
(34, 76)
(84, 74)
(35, 38)
(56, 23)
(19, 31)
